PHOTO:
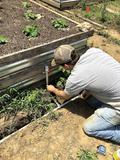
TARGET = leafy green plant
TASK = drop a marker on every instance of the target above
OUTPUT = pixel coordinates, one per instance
(3, 39)
(86, 155)
(62, 80)
(60, 23)
(61, 83)
(31, 31)
(30, 15)
(35, 103)
(26, 5)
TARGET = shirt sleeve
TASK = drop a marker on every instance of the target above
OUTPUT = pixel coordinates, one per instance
(72, 89)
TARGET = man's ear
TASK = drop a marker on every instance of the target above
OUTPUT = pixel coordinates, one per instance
(66, 66)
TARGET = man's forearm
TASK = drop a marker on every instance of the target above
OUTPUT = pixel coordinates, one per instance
(57, 92)
(62, 94)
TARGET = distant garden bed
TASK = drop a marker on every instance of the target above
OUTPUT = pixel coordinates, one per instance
(99, 12)
(24, 25)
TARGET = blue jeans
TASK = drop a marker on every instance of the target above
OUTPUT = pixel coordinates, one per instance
(104, 123)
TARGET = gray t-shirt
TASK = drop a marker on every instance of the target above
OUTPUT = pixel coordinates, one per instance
(98, 73)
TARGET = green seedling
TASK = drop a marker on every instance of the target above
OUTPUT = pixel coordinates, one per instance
(86, 155)
(31, 31)
(30, 15)
(26, 5)
(60, 23)
(3, 39)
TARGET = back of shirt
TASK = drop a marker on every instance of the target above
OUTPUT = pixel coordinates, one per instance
(99, 73)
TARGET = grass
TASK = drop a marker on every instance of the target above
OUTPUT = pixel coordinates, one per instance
(110, 38)
(99, 14)
(86, 155)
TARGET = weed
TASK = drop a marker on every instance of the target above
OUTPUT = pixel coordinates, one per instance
(26, 5)
(86, 155)
(60, 23)
(31, 31)
(54, 116)
(3, 39)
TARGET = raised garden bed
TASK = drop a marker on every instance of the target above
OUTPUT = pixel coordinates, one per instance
(24, 56)
(20, 107)
(63, 4)
(24, 53)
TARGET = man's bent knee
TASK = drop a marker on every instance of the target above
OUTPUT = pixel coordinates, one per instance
(87, 129)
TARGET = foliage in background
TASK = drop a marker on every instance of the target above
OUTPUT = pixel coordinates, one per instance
(60, 23)
(36, 103)
(104, 13)
(31, 31)
(3, 39)
(62, 80)
(110, 38)
(86, 155)
(26, 5)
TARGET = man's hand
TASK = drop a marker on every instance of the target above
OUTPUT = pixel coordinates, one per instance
(57, 92)
(51, 88)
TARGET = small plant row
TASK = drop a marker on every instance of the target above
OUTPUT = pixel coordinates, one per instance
(33, 31)
(35, 103)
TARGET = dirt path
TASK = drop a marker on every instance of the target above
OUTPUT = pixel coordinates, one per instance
(54, 140)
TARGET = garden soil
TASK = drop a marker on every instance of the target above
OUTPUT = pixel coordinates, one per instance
(60, 139)
(13, 22)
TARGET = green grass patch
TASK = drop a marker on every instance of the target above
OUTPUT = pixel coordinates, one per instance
(86, 155)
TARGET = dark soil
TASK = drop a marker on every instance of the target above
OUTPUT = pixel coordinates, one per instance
(13, 22)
